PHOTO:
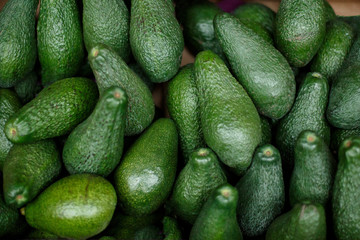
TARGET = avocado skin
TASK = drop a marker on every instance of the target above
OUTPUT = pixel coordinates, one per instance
(303, 221)
(78, 206)
(314, 170)
(336, 46)
(308, 113)
(38, 234)
(107, 22)
(60, 46)
(345, 205)
(195, 183)
(183, 106)
(55, 111)
(230, 122)
(137, 69)
(329, 11)
(259, 67)
(339, 135)
(27, 88)
(300, 27)
(261, 192)
(28, 169)
(9, 105)
(156, 38)
(17, 41)
(266, 133)
(111, 70)
(96, 145)
(217, 219)
(146, 174)
(171, 229)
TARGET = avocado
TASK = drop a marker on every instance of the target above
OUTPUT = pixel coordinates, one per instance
(332, 53)
(271, 84)
(353, 21)
(300, 27)
(195, 183)
(28, 169)
(314, 170)
(96, 145)
(38, 234)
(183, 106)
(329, 11)
(266, 134)
(303, 221)
(110, 70)
(339, 135)
(258, 29)
(27, 88)
(17, 41)
(147, 171)
(107, 22)
(77, 206)
(9, 104)
(137, 69)
(230, 122)
(59, 40)
(261, 192)
(308, 113)
(55, 111)
(171, 229)
(345, 204)
(156, 39)
(217, 219)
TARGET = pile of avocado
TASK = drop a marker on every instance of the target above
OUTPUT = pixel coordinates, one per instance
(259, 138)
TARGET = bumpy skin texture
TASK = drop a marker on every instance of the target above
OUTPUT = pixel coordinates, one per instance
(346, 190)
(55, 111)
(344, 99)
(217, 219)
(78, 206)
(183, 106)
(303, 221)
(156, 38)
(198, 26)
(266, 134)
(38, 234)
(146, 174)
(28, 169)
(339, 135)
(59, 39)
(314, 170)
(27, 88)
(9, 104)
(261, 192)
(300, 27)
(353, 21)
(229, 119)
(337, 43)
(329, 11)
(17, 41)
(266, 75)
(96, 145)
(195, 183)
(137, 69)
(171, 229)
(308, 113)
(107, 22)
(110, 70)
(259, 30)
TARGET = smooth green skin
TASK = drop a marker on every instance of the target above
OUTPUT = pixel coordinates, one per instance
(259, 30)
(17, 41)
(266, 135)
(78, 206)
(137, 69)
(339, 135)
(303, 221)
(300, 27)
(345, 206)
(28, 169)
(38, 234)
(171, 229)
(27, 88)
(230, 122)
(198, 27)
(314, 170)
(156, 39)
(336, 46)
(183, 106)
(259, 67)
(9, 105)
(96, 145)
(55, 111)
(261, 192)
(329, 11)
(308, 113)
(59, 40)
(217, 219)
(146, 174)
(110, 70)
(195, 183)
(344, 97)
(107, 22)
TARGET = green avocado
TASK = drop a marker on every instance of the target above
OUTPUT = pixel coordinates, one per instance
(27, 88)
(338, 135)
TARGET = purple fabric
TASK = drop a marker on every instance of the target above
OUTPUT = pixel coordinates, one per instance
(229, 5)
